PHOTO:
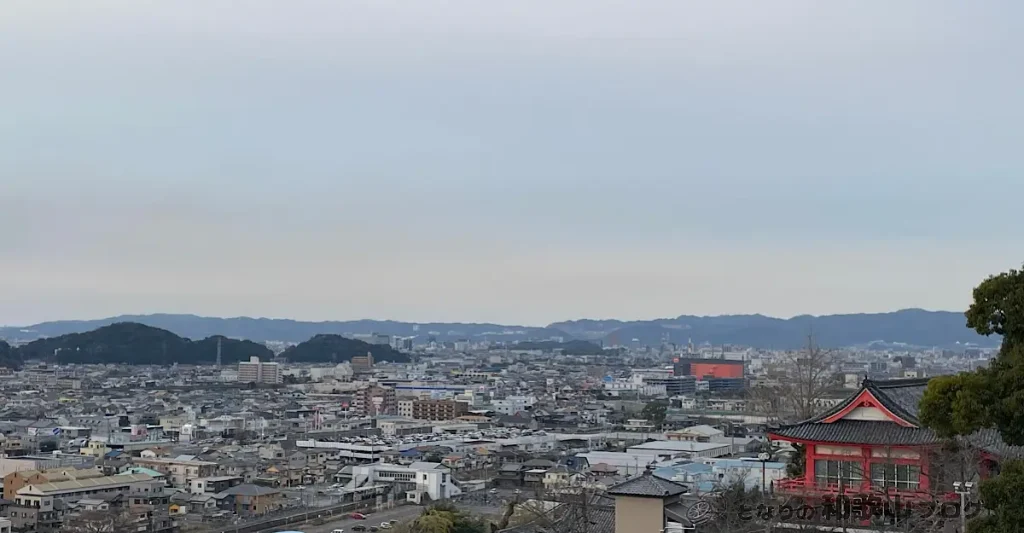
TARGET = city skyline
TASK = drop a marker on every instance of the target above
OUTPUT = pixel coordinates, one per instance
(524, 164)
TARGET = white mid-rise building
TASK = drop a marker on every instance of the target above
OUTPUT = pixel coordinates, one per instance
(417, 480)
(255, 371)
(514, 404)
(405, 408)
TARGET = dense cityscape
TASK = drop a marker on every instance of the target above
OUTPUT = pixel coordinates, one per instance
(512, 434)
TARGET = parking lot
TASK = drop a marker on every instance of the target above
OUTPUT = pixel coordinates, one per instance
(402, 514)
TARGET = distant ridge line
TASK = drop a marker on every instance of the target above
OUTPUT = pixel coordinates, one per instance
(912, 327)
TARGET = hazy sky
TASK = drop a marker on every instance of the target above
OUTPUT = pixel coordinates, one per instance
(520, 161)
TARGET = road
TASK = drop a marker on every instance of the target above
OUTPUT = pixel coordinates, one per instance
(401, 513)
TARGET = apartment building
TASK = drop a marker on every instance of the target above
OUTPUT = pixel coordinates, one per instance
(256, 371)
(405, 408)
(375, 400)
(362, 363)
(438, 409)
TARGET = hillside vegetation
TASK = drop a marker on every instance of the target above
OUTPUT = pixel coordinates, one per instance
(335, 348)
(138, 344)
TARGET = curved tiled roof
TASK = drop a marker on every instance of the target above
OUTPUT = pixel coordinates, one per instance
(900, 396)
(647, 485)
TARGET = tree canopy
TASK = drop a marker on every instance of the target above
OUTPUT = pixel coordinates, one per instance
(655, 412)
(446, 518)
(9, 356)
(989, 398)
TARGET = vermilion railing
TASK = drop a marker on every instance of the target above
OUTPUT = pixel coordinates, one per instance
(802, 486)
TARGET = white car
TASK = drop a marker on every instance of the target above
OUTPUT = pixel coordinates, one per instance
(338, 531)
(385, 525)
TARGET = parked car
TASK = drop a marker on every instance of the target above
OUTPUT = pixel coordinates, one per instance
(385, 525)
(359, 528)
(357, 516)
(338, 531)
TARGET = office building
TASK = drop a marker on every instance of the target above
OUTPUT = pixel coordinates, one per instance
(676, 385)
(725, 384)
(709, 368)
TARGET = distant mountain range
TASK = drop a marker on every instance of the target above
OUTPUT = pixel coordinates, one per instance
(285, 330)
(138, 344)
(914, 327)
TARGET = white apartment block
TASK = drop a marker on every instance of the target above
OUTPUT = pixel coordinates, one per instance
(255, 371)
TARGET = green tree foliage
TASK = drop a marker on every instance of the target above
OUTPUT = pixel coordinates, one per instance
(992, 397)
(446, 518)
(9, 356)
(989, 398)
(1004, 494)
(655, 412)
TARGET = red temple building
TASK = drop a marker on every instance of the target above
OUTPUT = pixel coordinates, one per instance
(874, 443)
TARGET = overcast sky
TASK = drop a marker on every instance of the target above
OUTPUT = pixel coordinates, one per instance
(521, 161)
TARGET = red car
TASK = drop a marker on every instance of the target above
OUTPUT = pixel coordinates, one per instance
(357, 516)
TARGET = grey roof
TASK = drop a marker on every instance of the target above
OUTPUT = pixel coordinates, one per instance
(425, 465)
(543, 463)
(990, 441)
(901, 396)
(677, 513)
(248, 490)
(647, 485)
(858, 432)
(81, 485)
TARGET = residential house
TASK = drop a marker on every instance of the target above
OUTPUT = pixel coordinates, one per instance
(251, 500)
(180, 470)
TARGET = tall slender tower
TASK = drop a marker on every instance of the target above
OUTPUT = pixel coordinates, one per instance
(218, 351)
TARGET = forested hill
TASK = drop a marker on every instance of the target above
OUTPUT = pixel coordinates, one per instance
(335, 348)
(8, 357)
(138, 344)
